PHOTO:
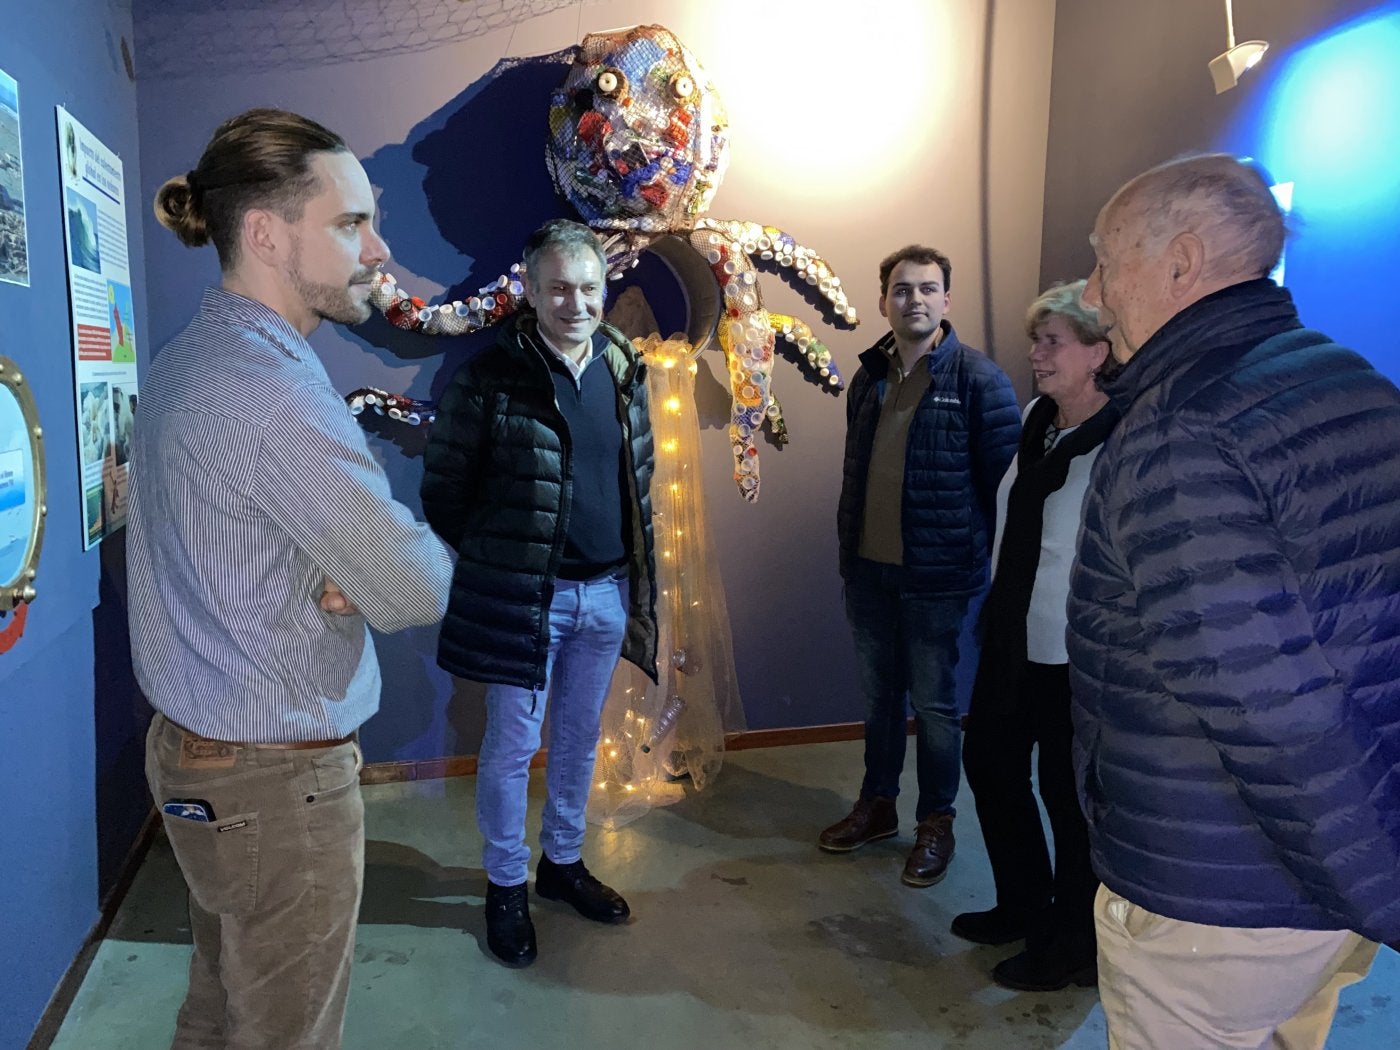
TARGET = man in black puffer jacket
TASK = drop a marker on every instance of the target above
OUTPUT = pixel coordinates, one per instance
(1234, 632)
(931, 426)
(538, 474)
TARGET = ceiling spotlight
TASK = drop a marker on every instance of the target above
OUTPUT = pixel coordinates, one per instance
(1227, 67)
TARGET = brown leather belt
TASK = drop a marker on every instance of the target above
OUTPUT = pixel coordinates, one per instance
(290, 745)
(306, 745)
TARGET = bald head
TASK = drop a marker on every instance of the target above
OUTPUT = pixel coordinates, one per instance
(1176, 234)
(1220, 199)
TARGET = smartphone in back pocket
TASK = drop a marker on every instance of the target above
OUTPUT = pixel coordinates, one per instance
(189, 809)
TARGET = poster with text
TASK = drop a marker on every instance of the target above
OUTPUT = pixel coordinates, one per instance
(104, 328)
(14, 237)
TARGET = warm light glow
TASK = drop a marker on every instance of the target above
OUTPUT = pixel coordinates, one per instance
(800, 89)
(673, 404)
(670, 446)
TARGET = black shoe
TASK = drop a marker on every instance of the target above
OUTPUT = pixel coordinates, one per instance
(574, 884)
(1041, 971)
(509, 932)
(996, 926)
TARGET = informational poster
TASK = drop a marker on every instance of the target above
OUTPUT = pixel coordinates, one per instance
(104, 333)
(14, 238)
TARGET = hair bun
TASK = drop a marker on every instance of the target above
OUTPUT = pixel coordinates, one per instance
(176, 210)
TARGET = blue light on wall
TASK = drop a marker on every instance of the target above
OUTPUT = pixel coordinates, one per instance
(1327, 119)
(1334, 122)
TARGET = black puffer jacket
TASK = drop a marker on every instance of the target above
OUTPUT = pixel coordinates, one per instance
(962, 438)
(497, 486)
(1234, 627)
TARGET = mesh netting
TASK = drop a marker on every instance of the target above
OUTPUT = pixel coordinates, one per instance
(655, 732)
(209, 37)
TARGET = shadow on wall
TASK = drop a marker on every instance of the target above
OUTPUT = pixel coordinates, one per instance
(120, 717)
(458, 198)
(461, 193)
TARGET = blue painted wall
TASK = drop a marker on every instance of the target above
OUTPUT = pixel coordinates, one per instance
(70, 781)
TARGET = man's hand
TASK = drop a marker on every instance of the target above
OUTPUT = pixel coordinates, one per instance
(333, 600)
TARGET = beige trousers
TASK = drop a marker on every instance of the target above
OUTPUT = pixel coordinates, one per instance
(1167, 984)
(275, 882)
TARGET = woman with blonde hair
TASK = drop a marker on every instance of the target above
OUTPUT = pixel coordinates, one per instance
(1021, 697)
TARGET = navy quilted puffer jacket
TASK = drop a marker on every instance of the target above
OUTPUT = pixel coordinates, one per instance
(1234, 627)
(963, 436)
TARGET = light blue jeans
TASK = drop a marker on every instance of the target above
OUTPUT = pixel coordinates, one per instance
(587, 620)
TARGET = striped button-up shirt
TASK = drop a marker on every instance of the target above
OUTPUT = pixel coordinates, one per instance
(250, 485)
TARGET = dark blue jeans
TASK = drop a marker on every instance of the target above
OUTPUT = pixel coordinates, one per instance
(906, 649)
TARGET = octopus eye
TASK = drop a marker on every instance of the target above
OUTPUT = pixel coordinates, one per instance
(682, 87)
(611, 82)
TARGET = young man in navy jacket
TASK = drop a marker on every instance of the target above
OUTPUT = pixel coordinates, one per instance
(931, 426)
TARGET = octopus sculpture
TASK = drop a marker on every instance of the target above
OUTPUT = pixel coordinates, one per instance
(638, 145)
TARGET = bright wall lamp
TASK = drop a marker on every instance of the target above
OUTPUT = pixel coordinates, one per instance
(1227, 68)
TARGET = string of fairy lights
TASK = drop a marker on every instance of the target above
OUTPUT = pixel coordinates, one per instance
(652, 733)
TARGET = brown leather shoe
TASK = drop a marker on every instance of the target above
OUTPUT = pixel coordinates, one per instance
(933, 849)
(870, 819)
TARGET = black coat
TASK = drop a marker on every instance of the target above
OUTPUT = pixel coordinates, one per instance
(497, 487)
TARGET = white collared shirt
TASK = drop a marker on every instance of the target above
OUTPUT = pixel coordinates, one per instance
(575, 367)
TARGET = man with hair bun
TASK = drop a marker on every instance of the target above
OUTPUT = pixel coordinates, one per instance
(1234, 632)
(264, 542)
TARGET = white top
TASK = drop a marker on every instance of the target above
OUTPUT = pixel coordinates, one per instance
(1059, 538)
(575, 367)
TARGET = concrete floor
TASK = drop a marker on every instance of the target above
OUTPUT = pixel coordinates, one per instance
(744, 935)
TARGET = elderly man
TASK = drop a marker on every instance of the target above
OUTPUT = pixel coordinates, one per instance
(539, 474)
(1234, 632)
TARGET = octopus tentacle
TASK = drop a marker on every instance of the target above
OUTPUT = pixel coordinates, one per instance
(771, 243)
(398, 407)
(747, 337)
(492, 304)
(818, 356)
(777, 425)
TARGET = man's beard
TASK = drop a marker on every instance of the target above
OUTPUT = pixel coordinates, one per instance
(328, 301)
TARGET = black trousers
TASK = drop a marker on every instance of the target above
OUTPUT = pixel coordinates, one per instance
(1002, 729)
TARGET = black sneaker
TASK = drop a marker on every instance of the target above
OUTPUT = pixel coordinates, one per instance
(574, 884)
(509, 932)
(995, 926)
